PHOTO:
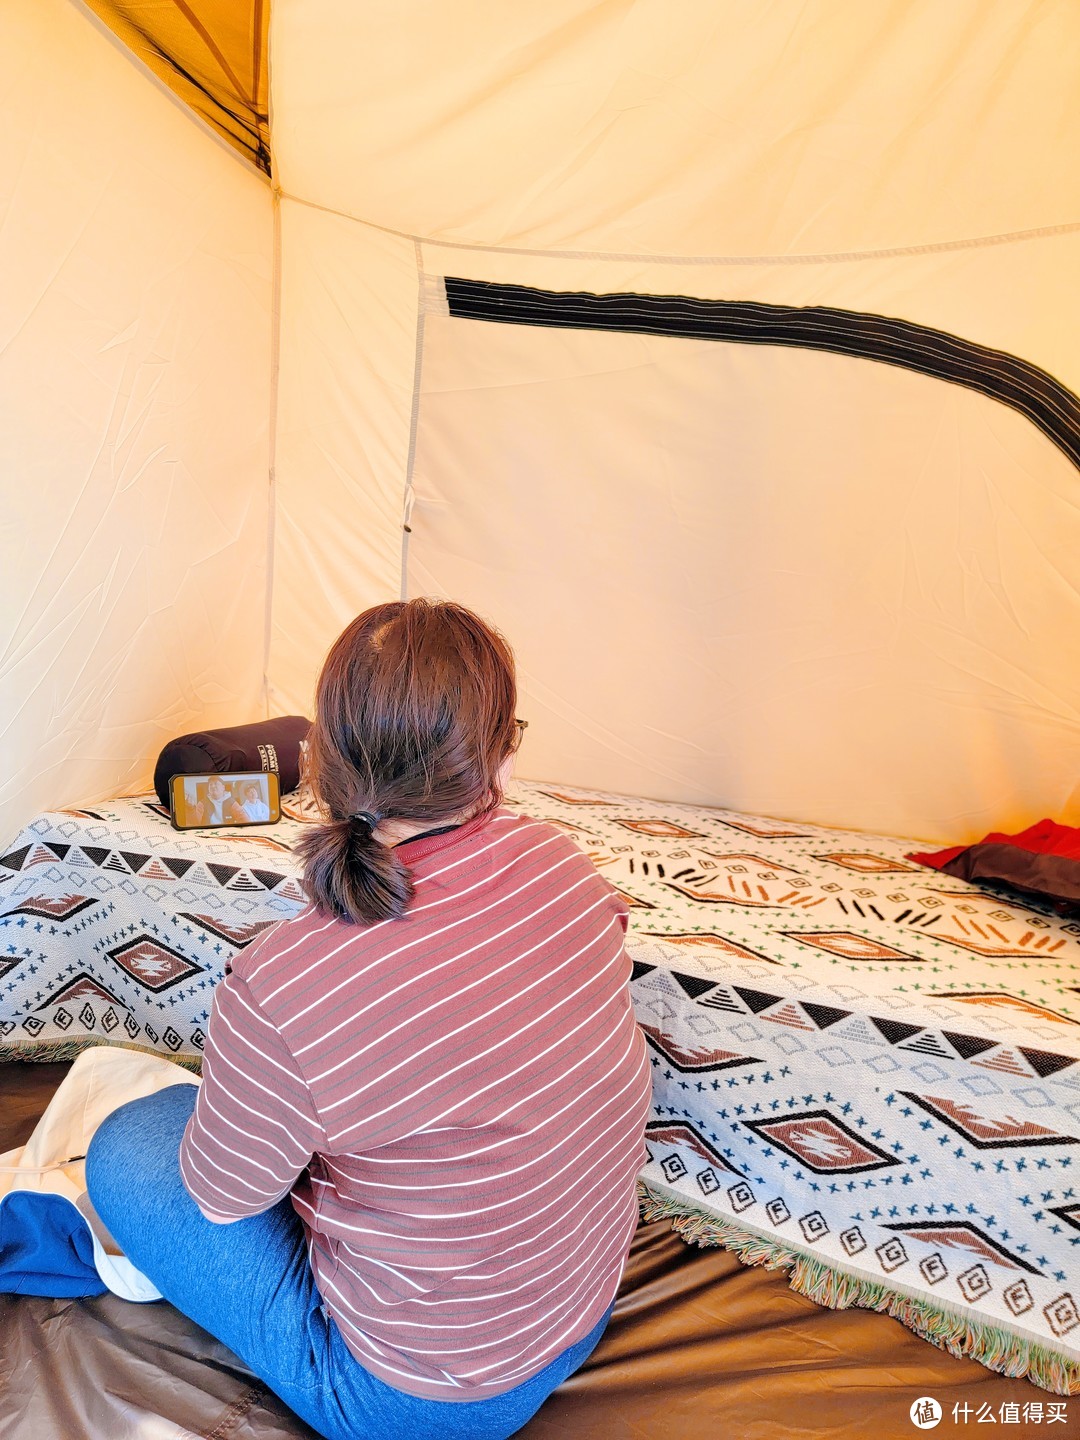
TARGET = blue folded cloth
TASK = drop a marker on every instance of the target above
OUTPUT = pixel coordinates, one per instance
(46, 1247)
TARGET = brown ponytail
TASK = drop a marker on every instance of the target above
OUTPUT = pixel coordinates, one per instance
(414, 718)
(348, 873)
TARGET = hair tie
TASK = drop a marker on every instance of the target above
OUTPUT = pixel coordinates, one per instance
(365, 817)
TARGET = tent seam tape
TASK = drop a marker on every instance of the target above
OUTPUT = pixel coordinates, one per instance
(414, 415)
(271, 496)
(1007, 237)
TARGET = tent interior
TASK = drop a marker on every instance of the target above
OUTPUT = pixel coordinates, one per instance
(726, 357)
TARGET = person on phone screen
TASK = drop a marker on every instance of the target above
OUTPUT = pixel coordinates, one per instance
(253, 808)
(405, 1191)
(214, 804)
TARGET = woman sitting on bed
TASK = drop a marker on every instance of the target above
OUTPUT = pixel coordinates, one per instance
(406, 1189)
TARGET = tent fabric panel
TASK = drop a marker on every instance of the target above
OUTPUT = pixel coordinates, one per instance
(212, 54)
(134, 366)
(345, 397)
(742, 130)
(1013, 297)
(792, 583)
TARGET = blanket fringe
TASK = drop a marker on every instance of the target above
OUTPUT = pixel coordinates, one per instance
(45, 1052)
(826, 1284)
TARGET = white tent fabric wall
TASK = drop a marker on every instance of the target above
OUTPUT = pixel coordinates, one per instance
(348, 346)
(902, 160)
(135, 353)
(793, 583)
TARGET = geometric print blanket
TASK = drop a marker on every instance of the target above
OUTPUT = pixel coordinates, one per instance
(864, 1071)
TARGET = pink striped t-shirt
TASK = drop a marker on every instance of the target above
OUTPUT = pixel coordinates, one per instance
(456, 1099)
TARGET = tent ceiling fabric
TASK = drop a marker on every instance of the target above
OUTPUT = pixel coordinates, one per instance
(718, 129)
(211, 53)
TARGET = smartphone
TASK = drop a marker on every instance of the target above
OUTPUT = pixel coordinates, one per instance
(204, 802)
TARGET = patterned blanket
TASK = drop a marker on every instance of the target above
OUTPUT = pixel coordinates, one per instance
(864, 1072)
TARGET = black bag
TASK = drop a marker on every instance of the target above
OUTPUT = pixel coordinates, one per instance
(265, 745)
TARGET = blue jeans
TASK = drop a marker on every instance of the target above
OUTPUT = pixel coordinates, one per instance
(251, 1286)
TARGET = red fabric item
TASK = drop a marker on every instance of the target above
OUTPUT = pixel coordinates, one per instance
(1045, 837)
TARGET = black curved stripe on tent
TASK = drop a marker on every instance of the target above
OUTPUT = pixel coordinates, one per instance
(995, 373)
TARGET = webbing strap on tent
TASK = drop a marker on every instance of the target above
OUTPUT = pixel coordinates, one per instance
(1048, 404)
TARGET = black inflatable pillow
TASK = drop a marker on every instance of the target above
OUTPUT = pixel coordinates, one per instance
(266, 745)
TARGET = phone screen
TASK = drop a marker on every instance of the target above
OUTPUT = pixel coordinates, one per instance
(201, 802)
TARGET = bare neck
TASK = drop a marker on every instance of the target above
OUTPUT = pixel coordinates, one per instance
(396, 832)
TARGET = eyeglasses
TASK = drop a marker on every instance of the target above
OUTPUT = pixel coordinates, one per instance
(521, 726)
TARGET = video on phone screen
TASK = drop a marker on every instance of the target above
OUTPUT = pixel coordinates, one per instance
(223, 800)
